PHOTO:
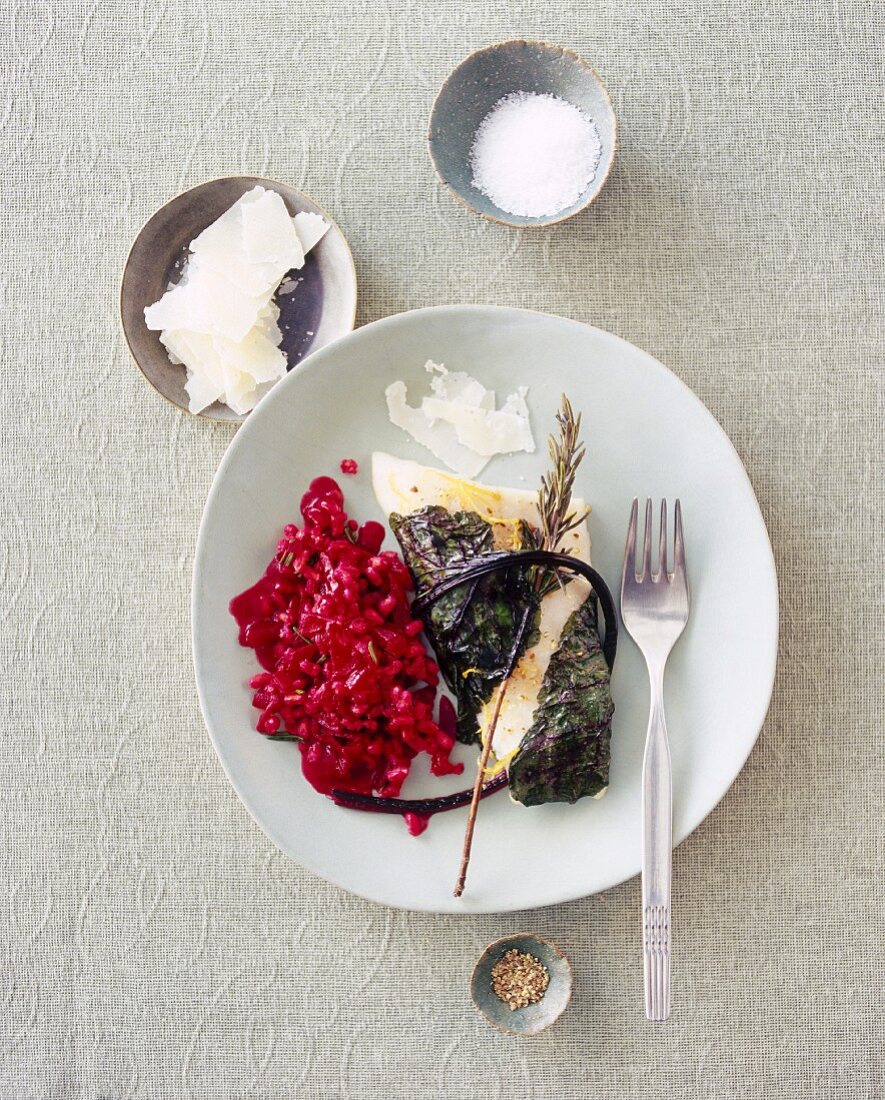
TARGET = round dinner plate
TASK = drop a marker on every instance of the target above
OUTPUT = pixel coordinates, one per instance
(646, 435)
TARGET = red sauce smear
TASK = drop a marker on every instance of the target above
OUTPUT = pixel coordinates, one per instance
(345, 671)
(349, 466)
(416, 823)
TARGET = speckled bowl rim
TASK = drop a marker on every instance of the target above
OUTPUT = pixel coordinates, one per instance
(196, 187)
(510, 939)
(546, 45)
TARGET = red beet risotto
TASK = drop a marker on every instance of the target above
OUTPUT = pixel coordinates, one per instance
(346, 674)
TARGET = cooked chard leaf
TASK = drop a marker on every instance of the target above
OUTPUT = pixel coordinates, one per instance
(473, 629)
(565, 754)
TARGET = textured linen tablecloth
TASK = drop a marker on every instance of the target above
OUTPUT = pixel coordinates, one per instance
(154, 942)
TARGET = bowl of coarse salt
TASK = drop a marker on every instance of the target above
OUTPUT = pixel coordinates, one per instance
(523, 133)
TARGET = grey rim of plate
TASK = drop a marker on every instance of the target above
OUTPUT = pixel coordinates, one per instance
(485, 77)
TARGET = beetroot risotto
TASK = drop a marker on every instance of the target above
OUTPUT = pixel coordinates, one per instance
(346, 674)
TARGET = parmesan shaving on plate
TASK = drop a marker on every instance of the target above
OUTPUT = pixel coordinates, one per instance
(458, 421)
(220, 319)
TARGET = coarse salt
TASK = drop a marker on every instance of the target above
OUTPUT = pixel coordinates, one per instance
(535, 155)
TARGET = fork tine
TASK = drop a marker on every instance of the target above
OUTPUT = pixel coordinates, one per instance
(630, 549)
(646, 551)
(679, 548)
(662, 552)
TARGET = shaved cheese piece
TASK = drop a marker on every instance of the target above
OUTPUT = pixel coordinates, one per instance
(439, 439)
(225, 367)
(220, 319)
(458, 386)
(404, 487)
(459, 423)
(311, 228)
(255, 356)
(236, 245)
(486, 431)
(267, 323)
(209, 303)
(269, 234)
(205, 380)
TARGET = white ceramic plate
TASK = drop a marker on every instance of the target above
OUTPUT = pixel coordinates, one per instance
(646, 434)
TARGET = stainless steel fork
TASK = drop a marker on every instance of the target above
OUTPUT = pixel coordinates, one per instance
(654, 607)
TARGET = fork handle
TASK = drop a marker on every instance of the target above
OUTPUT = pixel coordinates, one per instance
(657, 839)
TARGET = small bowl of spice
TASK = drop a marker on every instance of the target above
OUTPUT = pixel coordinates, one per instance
(522, 984)
(524, 133)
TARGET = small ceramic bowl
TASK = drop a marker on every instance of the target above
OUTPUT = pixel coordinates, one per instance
(486, 77)
(321, 308)
(534, 1018)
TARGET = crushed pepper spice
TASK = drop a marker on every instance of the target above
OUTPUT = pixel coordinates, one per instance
(519, 979)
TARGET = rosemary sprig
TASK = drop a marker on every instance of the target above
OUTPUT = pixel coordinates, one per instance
(555, 494)
(557, 519)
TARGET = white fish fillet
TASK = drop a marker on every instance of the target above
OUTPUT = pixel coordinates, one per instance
(404, 487)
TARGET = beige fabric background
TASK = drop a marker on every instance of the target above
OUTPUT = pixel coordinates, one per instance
(154, 944)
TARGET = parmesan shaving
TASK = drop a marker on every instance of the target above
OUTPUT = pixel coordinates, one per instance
(459, 423)
(220, 319)
(311, 229)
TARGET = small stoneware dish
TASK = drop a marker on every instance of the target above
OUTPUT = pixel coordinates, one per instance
(533, 1018)
(321, 307)
(486, 77)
